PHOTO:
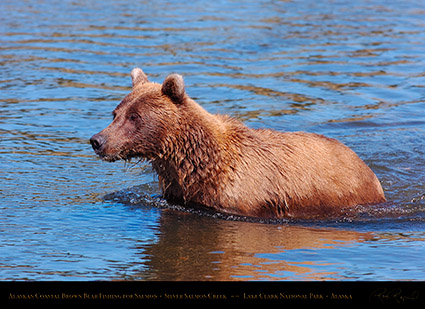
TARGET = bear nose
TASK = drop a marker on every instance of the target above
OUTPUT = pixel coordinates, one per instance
(97, 141)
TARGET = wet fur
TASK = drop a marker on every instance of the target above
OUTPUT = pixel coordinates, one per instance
(218, 162)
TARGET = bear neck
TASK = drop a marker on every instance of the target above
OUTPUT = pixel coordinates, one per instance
(194, 156)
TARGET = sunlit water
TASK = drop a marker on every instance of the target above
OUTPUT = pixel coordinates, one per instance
(354, 71)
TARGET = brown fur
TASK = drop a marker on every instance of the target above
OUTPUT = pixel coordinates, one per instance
(218, 162)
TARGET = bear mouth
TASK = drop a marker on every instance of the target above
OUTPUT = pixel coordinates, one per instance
(126, 157)
(111, 157)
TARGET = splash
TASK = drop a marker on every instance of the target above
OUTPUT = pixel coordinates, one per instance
(146, 195)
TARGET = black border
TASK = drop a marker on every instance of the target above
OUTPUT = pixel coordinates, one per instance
(154, 292)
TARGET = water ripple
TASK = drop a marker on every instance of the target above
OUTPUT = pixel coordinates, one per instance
(353, 71)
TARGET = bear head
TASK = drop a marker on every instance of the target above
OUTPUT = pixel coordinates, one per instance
(142, 120)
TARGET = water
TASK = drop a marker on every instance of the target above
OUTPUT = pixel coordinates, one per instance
(352, 71)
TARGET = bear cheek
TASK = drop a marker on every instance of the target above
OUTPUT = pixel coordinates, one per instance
(147, 134)
(145, 142)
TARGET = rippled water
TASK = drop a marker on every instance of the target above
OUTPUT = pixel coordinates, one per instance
(351, 70)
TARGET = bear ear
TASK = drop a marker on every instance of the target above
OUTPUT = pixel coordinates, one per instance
(138, 77)
(173, 87)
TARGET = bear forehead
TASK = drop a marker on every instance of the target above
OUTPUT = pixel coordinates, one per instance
(146, 94)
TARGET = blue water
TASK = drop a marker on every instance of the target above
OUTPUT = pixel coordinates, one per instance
(352, 71)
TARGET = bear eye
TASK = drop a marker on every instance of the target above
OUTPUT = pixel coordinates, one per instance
(133, 117)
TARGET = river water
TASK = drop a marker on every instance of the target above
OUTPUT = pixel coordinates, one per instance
(354, 71)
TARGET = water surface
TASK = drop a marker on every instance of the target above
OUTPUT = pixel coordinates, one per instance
(351, 71)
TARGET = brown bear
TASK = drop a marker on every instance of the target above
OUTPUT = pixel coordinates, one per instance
(217, 162)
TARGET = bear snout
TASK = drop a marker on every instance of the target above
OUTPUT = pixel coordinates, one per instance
(97, 142)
